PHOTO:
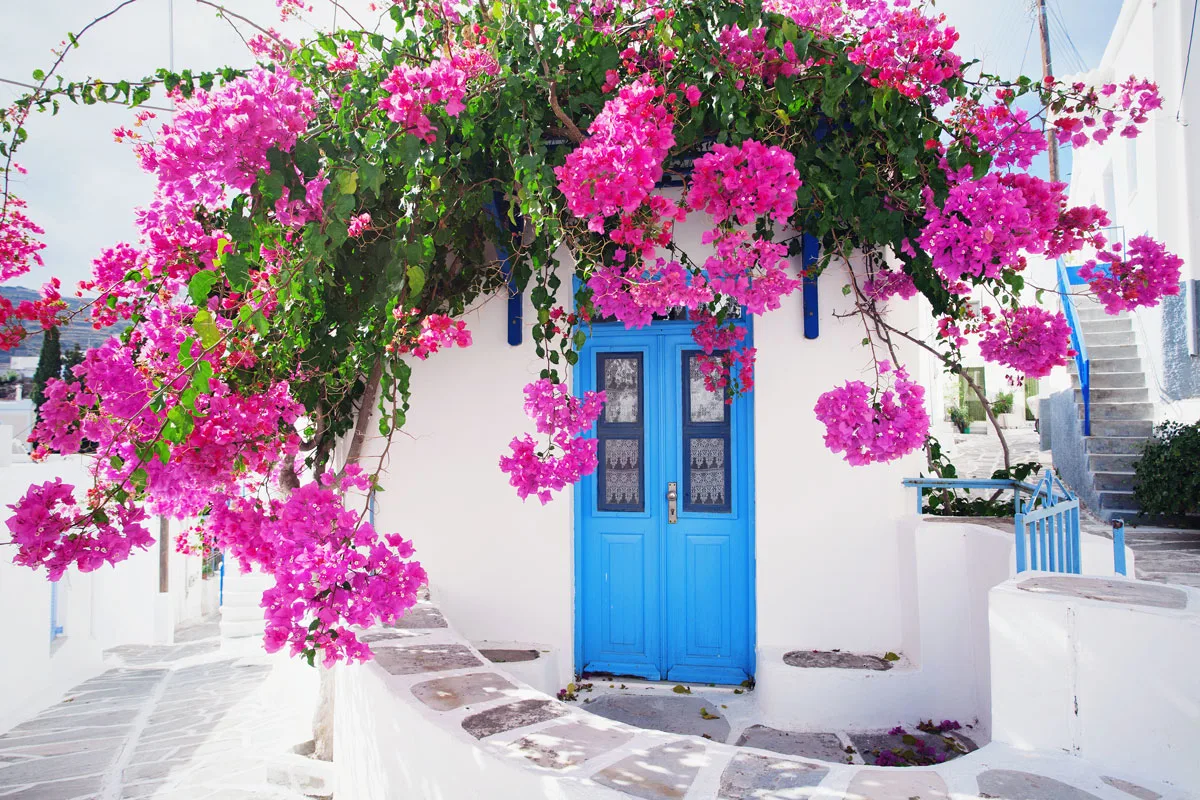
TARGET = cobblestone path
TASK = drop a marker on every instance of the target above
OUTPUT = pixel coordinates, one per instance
(178, 721)
(1166, 555)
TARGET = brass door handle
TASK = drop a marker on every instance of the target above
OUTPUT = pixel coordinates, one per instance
(672, 503)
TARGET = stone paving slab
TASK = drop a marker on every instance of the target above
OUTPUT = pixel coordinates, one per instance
(818, 659)
(1108, 591)
(870, 744)
(1010, 784)
(511, 716)
(753, 777)
(898, 784)
(415, 659)
(422, 615)
(682, 714)
(821, 746)
(445, 694)
(570, 744)
(665, 772)
(1131, 789)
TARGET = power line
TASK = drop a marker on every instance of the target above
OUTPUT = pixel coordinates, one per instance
(1056, 10)
(1188, 61)
(1028, 39)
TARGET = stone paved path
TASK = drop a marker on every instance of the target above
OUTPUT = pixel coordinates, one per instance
(174, 721)
(1166, 555)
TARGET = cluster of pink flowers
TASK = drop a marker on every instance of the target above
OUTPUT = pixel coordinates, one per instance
(1029, 339)
(1141, 276)
(568, 456)
(730, 372)
(903, 48)
(52, 530)
(747, 53)
(986, 225)
(1132, 101)
(346, 59)
(878, 425)
(749, 270)
(220, 139)
(434, 332)
(358, 225)
(888, 283)
(19, 247)
(1000, 129)
(332, 571)
(412, 89)
(616, 168)
(745, 183)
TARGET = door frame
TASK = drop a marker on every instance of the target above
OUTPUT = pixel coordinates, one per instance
(600, 331)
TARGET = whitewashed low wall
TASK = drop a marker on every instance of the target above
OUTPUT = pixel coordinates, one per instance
(97, 610)
(1102, 669)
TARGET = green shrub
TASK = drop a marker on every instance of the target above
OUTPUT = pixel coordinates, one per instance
(1003, 404)
(960, 418)
(1168, 474)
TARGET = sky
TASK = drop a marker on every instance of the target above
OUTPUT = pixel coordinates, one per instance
(82, 187)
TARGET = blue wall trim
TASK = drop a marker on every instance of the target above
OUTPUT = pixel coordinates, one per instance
(812, 311)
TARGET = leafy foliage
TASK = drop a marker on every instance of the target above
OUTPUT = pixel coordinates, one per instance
(1168, 477)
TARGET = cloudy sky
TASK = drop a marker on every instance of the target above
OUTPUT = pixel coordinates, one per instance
(82, 186)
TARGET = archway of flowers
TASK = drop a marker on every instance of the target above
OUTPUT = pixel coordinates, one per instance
(324, 217)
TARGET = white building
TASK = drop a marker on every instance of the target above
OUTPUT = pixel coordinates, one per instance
(56, 633)
(1144, 365)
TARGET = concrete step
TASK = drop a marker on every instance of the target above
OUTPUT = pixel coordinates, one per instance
(1098, 395)
(1113, 462)
(1185, 530)
(1132, 411)
(1088, 311)
(1113, 380)
(1106, 324)
(239, 598)
(1105, 352)
(1118, 501)
(241, 630)
(1122, 427)
(1102, 366)
(1107, 338)
(1120, 481)
(1115, 445)
(241, 614)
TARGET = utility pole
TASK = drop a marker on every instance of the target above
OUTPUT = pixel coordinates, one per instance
(1047, 70)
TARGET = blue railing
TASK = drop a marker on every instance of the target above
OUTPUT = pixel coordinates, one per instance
(1046, 518)
(1083, 364)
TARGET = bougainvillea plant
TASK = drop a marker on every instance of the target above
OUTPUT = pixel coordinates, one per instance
(325, 215)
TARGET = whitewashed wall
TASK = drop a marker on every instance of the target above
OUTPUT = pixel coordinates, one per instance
(98, 610)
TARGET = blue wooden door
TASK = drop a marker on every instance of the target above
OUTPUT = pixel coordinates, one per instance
(663, 598)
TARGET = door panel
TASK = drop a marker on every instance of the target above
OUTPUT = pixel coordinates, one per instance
(660, 599)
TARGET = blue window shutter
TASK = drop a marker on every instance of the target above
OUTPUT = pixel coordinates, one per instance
(812, 321)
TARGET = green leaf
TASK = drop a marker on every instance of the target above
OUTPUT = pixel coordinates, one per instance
(206, 328)
(346, 182)
(416, 280)
(237, 271)
(39, 75)
(260, 323)
(200, 285)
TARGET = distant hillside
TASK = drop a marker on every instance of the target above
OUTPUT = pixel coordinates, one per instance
(79, 331)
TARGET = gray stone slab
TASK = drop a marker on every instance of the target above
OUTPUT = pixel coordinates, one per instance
(444, 694)
(53, 768)
(415, 659)
(66, 748)
(820, 659)
(1109, 591)
(572, 743)
(421, 615)
(385, 634)
(869, 745)
(512, 716)
(1131, 789)
(501, 656)
(662, 773)
(103, 717)
(1011, 784)
(897, 784)
(752, 777)
(76, 789)
(821, 746)
(674, 714)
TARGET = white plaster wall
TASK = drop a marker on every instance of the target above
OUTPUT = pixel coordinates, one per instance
(1114, 684)
(110, 606)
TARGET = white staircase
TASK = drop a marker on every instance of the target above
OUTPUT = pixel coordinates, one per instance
(241, 609)
(1121, 412)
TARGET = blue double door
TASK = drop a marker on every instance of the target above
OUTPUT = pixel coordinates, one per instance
(665, 566)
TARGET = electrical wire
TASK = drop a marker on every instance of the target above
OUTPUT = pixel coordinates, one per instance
(1056, 12)
(1187, 63)
(1028, 39)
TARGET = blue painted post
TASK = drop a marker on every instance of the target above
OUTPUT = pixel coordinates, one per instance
(221, 585)
(53, 610)
(1022, 557)
(516, 301)
(1119, 547)
(812, 319)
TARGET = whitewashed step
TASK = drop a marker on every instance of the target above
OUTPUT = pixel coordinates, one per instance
(1110, 351)
(1106, 365)
(1118, 501)
(1115, 445)
(1141, 428)
(1102, 462)
(1098, 395)
(1113, 380)
(1119, 481)
(241, 613)
(241, 630)
(1132, 411)
(1106, 325)
(1107, 338)
(1088, 312)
